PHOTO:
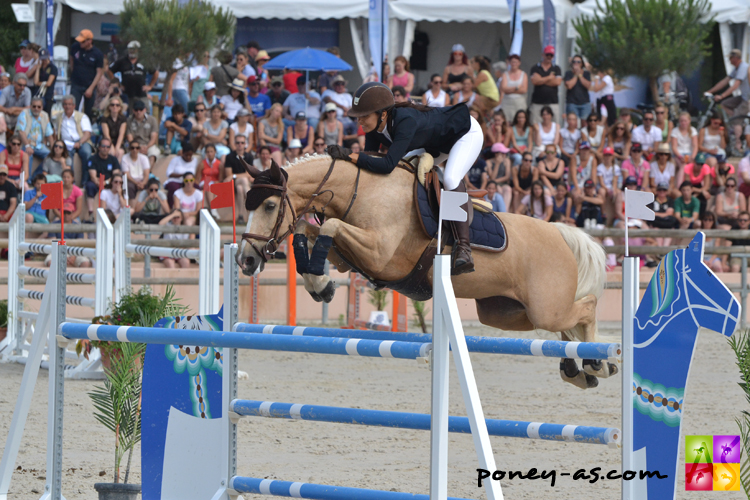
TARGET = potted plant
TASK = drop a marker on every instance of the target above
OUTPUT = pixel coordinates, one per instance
(117, 402)
(3, 319)
(740, 344)
(379, 298)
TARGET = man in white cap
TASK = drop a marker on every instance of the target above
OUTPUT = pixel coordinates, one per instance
(735, 105)
(343, 101)
(133, 76)
(209, 97)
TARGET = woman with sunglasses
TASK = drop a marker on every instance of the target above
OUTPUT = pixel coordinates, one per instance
(551, 170)
(136, 167)
(619, 140)
(436, 97)
(663, 122)
(449, 134)
(56, 161)
(151, 205)
(112, 196)
(319, 146)
(189, 201)
(114, 126)
(715, 262)
(729, 205)
(16, 160)
(711, 139)
(593, 133)
(329, 128)
(662, 171)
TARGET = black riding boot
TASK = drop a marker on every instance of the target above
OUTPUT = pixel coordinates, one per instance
(461, 254)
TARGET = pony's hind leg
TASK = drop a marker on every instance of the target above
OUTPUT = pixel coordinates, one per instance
(570, 372)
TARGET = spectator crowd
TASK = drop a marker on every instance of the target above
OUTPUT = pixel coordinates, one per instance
(557, 161)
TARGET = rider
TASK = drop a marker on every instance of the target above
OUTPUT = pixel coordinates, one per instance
(735, 105)
(448, 133)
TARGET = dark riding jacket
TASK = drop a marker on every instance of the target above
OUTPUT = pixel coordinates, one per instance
(435, 130)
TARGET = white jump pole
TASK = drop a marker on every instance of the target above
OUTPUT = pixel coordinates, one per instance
(630, 283)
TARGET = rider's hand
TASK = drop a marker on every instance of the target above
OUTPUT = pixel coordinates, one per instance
(338, 152)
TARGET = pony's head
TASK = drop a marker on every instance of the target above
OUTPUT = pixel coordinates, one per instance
(270, 216)
(711, 303)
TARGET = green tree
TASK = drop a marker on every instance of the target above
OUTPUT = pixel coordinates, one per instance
(168, 30)
(11, 34)
(646, 37)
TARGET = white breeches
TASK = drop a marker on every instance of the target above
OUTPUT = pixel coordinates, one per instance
(462, 156)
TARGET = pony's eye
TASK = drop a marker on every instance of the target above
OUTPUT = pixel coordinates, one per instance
(270, 207)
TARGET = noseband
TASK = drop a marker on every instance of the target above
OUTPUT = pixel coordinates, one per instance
(273, 240)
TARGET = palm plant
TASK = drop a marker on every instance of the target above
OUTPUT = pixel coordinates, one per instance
(378, 298)
(420, 314)
(740, 344)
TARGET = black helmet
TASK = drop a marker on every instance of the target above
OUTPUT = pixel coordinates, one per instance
(371, 98)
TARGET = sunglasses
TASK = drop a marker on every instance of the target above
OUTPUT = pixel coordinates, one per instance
(104, 146)
(152, 190)
(200, 110)
(253, 84)
(660, 112)
(15, 143)
(189, 180)
(277, 84)
(36, 107)
(744, 220)
(116, 182)
(731, 185)
(320, 144)
(57, 146)
(115, 105)
(549, 55)
(527, 160)
(134, 147)
(437, 82)
(648, 119)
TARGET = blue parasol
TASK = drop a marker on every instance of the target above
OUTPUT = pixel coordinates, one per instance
(308, 60)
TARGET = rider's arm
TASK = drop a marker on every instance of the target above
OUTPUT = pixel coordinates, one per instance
(402, 136)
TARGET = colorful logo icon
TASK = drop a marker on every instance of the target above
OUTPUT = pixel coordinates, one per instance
(712, 463)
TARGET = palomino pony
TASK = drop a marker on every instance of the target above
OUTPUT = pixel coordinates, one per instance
(550, 276)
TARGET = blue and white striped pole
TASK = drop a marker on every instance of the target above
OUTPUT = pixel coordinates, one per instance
(317, 491)
(256, 341)
(488, 345)
(419, 421)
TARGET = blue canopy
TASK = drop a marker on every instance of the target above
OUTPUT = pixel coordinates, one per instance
(308, 60)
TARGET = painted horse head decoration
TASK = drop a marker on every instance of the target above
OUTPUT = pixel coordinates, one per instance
(683, 296)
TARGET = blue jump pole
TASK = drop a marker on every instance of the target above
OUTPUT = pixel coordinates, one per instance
(317, 491)
(419, 421)
(489, 345)
(239, 340)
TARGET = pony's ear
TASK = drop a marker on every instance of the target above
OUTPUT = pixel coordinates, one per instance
(276, 175)
(254, 172)
(695, 249)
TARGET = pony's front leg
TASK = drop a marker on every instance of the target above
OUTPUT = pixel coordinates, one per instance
(364, 243)
(305, 237)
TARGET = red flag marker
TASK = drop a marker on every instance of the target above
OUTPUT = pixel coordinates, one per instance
(101, 188)
(54, 199)
(224, 192)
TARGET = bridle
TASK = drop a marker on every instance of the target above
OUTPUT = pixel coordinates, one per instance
(274, 239)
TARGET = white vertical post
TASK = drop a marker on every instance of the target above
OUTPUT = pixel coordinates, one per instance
(210, 256)
(30, 375)
(229, 376)
(630, 292)
(444, 302)
(440, 396)
(122, 261)
(16, 235)
(53, 483)
(105, 254)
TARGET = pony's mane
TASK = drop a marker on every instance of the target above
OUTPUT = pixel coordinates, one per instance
(305, 159)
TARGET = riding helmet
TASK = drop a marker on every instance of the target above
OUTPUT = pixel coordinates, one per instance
(371, 97)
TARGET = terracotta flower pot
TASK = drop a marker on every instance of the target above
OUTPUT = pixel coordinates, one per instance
(117, 491)
(3, 333)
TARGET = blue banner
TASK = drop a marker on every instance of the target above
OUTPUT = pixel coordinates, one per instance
(516, 27)
(549, 36)
(276, 35)
(50, 8)
(377, 29)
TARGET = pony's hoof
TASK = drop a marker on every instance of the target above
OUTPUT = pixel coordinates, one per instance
(328, 292)
(316, 297)
(599, 368)
(575, 376)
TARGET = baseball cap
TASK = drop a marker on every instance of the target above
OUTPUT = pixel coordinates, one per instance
(69, 207)
(330, 107)
(608, 151)
(25, 43)
(636, 147)
(300, 115)
(499, 147)
(84, 35)
(735, 53)
(584, 145)
(589, 183)
(338, 78)
(721, 158)
(458, 48)
(549, 49)
(662, 186)
(295, 143)
(277, 79)
(209, 86)
(135, 44)
(250, 79)
(243, 112)
(700, 158)
(301, 80)
(138, 105)
(631, 181)
(43, 54)
(3, 169)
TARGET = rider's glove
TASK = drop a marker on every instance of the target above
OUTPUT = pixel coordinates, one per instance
(338, 152)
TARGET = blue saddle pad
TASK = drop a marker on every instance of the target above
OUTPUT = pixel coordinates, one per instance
(486, 231)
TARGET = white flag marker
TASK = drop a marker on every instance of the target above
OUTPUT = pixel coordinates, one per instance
(450, 209)
(635, 207)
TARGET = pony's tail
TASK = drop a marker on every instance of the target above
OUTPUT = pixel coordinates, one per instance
(592, 271)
